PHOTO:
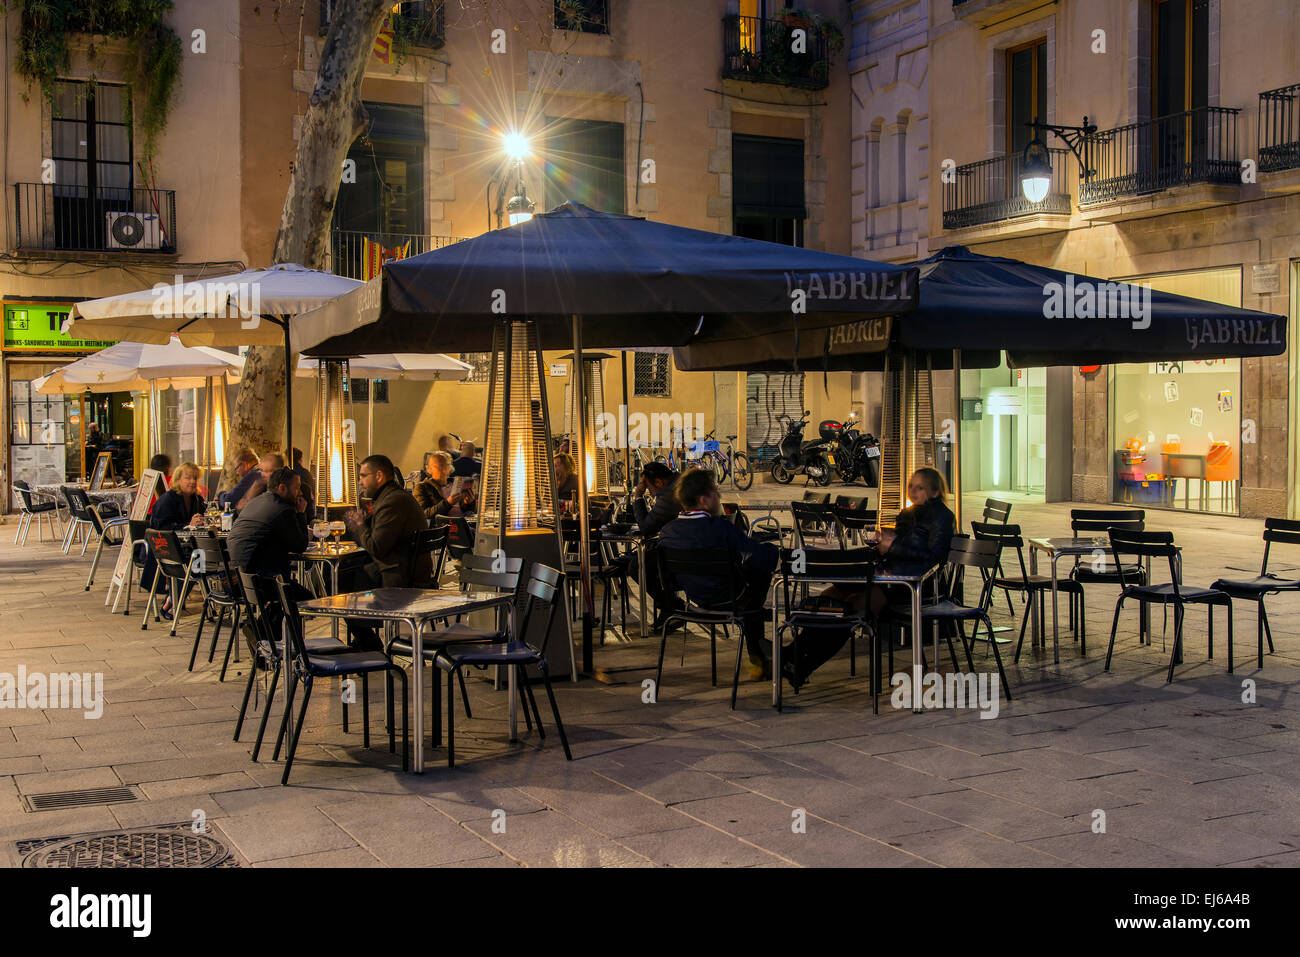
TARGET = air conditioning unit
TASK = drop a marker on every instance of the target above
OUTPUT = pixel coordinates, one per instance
(133, 230)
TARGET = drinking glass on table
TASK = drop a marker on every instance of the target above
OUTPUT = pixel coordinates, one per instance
(320, 530)
(337, 529)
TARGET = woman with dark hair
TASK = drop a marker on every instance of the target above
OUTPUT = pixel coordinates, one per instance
(162, 463)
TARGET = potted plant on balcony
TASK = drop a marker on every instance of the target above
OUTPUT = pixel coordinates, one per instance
(576, 14)
(794, 19)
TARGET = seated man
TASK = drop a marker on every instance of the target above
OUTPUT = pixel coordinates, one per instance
(308, 482)
(246, 469)
(267, 531)
(702, 525)
(466, 464)
(385, 531)
(430, 492)
(262, 478)
(447, 444)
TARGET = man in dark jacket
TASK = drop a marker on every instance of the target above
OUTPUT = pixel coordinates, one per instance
(702, 525)
(385, 531)
(271, 527)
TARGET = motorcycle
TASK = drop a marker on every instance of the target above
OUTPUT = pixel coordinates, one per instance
(857, 453)
(814, 458)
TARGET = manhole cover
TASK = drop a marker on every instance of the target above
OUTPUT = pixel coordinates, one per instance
(175, 846)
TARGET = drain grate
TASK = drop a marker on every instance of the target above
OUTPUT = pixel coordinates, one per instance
(173, 845)
(88, 797)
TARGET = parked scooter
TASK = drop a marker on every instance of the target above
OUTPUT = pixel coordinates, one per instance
(814, 458)
(857, 453)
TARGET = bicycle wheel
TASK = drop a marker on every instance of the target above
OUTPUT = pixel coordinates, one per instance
(741, 473)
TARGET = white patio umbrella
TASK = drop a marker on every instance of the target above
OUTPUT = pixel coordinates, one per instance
(140, 367)
(396, 365)
(249, 308)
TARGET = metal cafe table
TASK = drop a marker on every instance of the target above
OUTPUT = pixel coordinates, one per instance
(1054, 548)
(636, 543)
(416, 607)
(321, 555)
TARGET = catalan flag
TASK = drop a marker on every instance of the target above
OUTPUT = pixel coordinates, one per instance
(374, 255)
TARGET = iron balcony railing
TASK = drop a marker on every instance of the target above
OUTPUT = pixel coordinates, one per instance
(1279, 129)
(50, 216)
(1195, 146)
(419, 24)
(989, 191)
(359, 255)
(763, 51)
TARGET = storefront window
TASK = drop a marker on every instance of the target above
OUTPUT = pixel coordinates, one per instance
(1004, 432)
(1176, 426)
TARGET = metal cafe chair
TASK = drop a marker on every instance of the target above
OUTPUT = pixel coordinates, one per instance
(1030, 586)
(817, 613)
(1161, 545)
(515, 652)
(220, 595)
(854, 524)
(140, 554)
(1256, 589)
(427, 541)
(117, 525)
(173, 563)
(813, 520)
(999, 512)
(460, 537)
(720, 564)
(608, 573)
(307, 666)
(981, 554)
(79, 520)
(1086, 521)
(265, 647)
(30, 510)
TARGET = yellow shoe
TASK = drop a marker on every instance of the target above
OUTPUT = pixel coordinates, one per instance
(760, 670)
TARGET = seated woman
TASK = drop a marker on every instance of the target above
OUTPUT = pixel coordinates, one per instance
(430, 488)
(566, 477)
(921, 538)
(179, 507)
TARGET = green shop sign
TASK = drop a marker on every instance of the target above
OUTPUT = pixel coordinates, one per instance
(37, 327)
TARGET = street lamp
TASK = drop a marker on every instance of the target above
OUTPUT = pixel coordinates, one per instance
(1036, 161)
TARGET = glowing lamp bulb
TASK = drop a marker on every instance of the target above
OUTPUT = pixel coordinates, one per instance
(1035, 188)
(516, 145)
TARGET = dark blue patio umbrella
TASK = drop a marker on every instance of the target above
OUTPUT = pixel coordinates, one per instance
(984, 304)
(1047, 317)
(631, 281)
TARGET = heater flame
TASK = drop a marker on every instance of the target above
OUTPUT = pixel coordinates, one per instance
(590, 470)
(518, 485)
(336, 473)
(219, 439)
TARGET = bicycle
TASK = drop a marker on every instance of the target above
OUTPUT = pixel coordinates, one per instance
(731, 463)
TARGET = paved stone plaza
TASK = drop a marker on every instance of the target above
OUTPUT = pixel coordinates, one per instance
(1186, 774)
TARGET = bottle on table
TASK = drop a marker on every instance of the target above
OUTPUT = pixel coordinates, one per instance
(227, 518)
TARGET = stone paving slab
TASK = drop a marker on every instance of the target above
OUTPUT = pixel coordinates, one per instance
(1188, 774)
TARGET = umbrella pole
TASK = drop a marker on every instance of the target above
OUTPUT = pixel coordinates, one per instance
(584, 559)
(370, 418)
(627, 445)
(288, 393)
(956, 437)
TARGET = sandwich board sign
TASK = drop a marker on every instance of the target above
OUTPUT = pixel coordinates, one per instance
(151, 483)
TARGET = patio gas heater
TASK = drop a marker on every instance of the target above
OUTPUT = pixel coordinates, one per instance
(517, 512)
(588, 405)
(334, 465)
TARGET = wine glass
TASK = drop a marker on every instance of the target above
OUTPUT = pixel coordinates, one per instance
(337, 529)
(320, 531)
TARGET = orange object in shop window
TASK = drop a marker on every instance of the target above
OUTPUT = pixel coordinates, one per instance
(1221, 463)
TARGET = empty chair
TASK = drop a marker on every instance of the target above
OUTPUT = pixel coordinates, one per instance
(1029, 586)
(79, 521)
(813, 520)
(1173, 592)
(307, 666)
(220, 594)
(542, 593)
(38, 506)
(432, 542)
(256, 599)
(1257, 589)
(460, 539)
(851, 501)
(608, 573)
(855, 524)
(1085, 522)
(996, 511)
(110, 531)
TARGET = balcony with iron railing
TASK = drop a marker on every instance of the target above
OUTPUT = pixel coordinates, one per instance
(66, 218)
(989, 191)
(1195, 146)
(360, 255)
(764, 51)
(420, 24)
(990, 9)
(1279, 129)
